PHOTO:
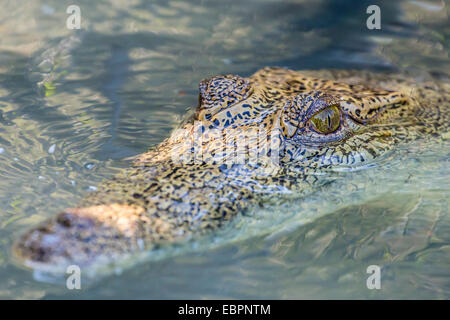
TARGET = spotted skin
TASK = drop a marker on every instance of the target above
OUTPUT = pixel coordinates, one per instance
(248, 140)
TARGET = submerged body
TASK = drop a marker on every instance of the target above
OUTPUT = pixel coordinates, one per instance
(274, 133)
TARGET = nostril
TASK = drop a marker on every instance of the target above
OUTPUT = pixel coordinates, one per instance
(41, 255)
(36, 246)
(65, 219)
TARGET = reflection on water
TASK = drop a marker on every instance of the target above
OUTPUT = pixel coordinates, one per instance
(75, 104)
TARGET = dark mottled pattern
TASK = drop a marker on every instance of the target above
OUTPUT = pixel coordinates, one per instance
(249, 139)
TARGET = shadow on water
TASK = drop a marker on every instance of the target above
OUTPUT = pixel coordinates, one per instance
(333, 35)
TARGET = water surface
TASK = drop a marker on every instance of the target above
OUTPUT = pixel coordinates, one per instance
(74, 104)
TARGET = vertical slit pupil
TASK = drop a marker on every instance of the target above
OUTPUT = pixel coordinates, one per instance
(327, 120)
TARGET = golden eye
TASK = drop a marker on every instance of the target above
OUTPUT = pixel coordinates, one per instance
(327, 120)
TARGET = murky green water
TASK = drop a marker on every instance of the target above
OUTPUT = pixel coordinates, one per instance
(75, 104)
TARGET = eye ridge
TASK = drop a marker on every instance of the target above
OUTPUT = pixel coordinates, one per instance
(327, 120)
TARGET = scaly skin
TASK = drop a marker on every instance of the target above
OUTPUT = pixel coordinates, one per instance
(249, 139)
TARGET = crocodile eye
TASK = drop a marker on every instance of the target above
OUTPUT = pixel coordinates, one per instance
(327, 120)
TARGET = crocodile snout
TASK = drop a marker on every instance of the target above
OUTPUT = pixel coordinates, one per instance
(78, 236)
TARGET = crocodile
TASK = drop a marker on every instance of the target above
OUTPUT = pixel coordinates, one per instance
(277, 132)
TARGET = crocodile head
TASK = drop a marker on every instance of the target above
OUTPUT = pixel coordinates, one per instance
(288, 119)
(309, 121)
(273, 132)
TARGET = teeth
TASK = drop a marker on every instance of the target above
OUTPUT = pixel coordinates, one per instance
(140, 243)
